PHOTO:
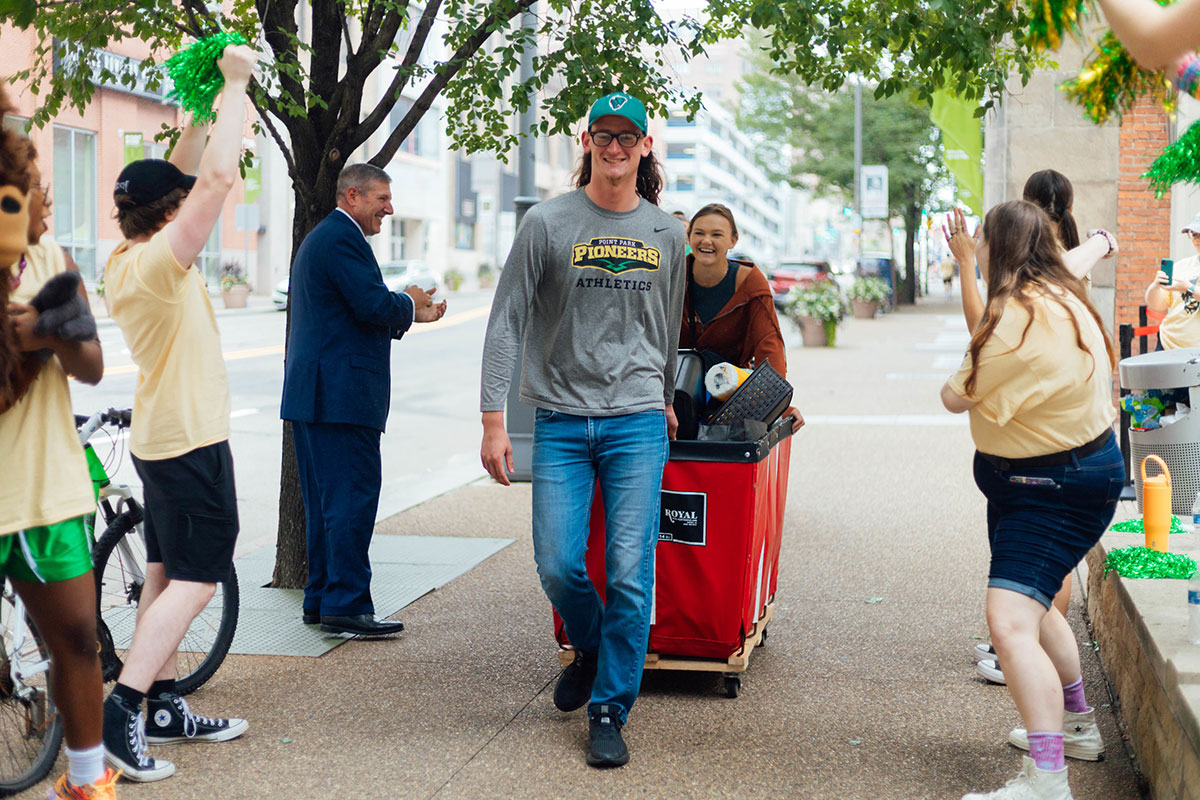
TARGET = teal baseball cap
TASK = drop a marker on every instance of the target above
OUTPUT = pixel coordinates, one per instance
(622, 105)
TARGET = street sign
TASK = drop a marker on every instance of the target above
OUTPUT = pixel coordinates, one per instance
(874, 191)
(245, 217)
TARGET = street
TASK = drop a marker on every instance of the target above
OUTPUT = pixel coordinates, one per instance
(432, 439)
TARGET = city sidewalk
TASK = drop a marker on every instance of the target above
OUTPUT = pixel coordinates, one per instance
(867, 688)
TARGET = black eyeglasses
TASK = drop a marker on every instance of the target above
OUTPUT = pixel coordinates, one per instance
(626, 139)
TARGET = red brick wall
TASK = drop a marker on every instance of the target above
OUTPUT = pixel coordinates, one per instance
(1143, 221)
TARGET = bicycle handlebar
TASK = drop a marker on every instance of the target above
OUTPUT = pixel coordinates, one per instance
(119, 417)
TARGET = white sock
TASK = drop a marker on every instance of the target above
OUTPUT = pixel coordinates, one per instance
(85, 766)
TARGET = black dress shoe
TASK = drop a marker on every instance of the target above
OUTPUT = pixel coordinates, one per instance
(360, 625)
(309, 617)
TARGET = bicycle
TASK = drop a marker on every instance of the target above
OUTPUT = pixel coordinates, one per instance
(119, 562)
(31, 729)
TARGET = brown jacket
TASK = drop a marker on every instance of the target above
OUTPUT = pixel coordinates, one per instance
(746, 330)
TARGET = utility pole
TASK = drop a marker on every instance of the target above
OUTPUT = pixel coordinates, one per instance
(858, 166)
(519, 419)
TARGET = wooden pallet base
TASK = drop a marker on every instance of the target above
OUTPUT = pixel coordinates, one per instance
(735, 663)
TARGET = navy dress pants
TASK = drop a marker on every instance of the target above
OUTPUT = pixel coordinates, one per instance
(340, 477)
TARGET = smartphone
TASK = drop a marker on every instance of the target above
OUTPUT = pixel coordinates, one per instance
(1167, 266)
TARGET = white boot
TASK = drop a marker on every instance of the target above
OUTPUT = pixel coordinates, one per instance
(1031, 783)
(1081, 736)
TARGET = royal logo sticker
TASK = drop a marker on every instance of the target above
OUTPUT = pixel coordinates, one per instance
(617, 256)
(616, 102)
(684, 518)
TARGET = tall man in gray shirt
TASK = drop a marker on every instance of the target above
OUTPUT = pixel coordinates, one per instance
(593, 287)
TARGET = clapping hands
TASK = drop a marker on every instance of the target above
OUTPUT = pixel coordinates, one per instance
(424, 307)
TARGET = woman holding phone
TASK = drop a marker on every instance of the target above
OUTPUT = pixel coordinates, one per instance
(1176, 296)
(1037, 382)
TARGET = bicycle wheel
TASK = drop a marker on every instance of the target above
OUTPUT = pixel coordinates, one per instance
(119, 561)
(31, 729)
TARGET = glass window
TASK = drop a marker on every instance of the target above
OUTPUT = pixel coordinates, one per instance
(75, 196)
(685, 183)
(209, 260)
(681, 150)
(464, 236)
(18, 124)
(678, 119)
(399, 228)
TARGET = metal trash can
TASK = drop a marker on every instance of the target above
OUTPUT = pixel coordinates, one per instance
(1177, 444)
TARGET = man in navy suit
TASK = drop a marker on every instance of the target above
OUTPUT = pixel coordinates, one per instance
(336, 391)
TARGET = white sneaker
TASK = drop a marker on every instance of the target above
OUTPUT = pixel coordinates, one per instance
(984, 651)
(990, 668)
(1081, 737)
(1031, 783)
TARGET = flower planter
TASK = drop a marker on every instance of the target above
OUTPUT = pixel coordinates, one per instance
(813, 331)
(235, 297)
(864, 309)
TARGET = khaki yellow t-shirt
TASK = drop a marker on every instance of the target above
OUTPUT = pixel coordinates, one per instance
(1181, 327)
(182, 398)
(45, 476)
(1045, 396)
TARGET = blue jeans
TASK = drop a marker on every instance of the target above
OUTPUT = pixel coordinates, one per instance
(1043, 520)
(627, 454)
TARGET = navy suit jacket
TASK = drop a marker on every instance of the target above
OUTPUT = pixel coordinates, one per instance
(344, 318)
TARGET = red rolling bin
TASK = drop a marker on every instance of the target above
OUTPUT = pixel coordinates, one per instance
(717, 562)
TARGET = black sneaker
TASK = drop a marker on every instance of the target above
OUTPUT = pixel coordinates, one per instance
(606, 748)
(172, 721)
(574, 687)
(125, 744)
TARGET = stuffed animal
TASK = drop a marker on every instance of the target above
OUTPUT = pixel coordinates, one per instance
(62, 311)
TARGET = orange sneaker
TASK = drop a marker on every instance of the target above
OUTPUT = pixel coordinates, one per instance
(103, 789)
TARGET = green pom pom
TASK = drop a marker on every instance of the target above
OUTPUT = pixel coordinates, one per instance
(196, 77)
(1179, 163)
(1140, 562)
(1050, 20)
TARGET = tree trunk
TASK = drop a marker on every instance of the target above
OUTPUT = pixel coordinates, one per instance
(908, 287)
(291, 551)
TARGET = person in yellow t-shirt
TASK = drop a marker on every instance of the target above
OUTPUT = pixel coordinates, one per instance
(180, 431)
(1178, 299)
(1037, 381)
(45, 550)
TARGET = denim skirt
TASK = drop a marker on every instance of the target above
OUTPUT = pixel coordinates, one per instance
(1042, 520)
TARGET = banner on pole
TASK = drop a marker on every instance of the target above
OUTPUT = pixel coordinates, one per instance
(962, 136)
(133, 147)
(252, 182)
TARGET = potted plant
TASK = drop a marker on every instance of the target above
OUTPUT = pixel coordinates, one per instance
(453, 279)
(486, 276)
(234, 289)
(866, 295)
(817, 309)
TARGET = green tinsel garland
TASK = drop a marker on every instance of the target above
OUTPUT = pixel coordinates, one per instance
(196, 76)
(1135, 526)
(1178, 163)
(1142, 562)
(1111, 82)
(1053, 18)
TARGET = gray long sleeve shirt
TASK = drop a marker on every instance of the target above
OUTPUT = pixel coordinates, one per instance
(597, 298)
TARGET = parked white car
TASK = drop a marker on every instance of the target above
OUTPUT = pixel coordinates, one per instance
(397, 276)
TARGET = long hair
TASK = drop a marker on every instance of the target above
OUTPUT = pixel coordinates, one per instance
(650, 178)
(1024, 261)
(1053, 192)
(14, 171)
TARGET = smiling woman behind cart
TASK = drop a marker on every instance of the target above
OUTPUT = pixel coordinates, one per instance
(1037, 380)
(728, 308)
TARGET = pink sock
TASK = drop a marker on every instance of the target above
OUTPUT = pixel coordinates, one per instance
(1073, 699)
(1046, 750)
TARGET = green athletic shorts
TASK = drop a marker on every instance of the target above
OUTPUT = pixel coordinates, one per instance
(48, 553)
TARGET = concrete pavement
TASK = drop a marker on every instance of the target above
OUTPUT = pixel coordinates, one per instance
(850, 699)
